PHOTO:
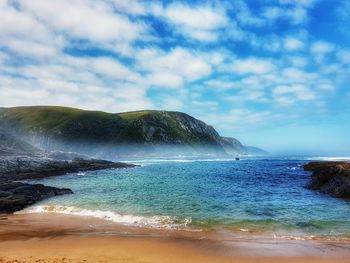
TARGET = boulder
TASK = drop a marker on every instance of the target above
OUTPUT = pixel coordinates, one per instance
(15, 196)
(332, 178)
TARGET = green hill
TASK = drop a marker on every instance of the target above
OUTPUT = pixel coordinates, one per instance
(99, 133)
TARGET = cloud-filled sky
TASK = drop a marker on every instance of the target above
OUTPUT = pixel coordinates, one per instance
(272, 73)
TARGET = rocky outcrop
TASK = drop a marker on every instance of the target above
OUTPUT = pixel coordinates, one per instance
(20, 168)
(331, 178)
(15, 196)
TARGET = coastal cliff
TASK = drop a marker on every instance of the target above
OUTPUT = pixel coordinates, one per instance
(332, 178)
(102, 134)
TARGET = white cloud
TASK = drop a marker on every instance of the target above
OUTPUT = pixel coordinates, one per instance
(180, 61)
(21, 24)
(326, 86)
(113, 69)
(87, 19)
(288, 95)
(252, 66)
(238, 119)
(298, 15)
(245, 16)
(22, 34)
(320, 50)
(173, 103)
(298, 61)
(52, 92)
(293, 12)
(201, 17)
(165, 79)
(321, 47)
(198, 22)
(273, 12)
(133, 7)
(344, 56)
(30, 48)
(293, 44)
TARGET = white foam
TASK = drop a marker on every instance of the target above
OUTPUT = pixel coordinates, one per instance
(130, 220)
(155, 161)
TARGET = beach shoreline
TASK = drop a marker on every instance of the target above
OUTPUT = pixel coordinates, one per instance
(65, 238)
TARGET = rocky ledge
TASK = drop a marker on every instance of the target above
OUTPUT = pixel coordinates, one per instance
(15, 196)
(20, 168)
(331, 178)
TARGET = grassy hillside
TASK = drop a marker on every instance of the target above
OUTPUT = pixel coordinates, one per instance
(62, 128)
(129, 127)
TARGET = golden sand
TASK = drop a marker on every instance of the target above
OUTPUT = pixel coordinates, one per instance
(59, 238)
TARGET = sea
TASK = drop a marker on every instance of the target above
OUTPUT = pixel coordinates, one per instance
(250, 195)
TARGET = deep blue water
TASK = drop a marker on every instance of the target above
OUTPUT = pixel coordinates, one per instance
(246, 195)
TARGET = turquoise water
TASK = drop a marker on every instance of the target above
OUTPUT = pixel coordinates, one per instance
(246, 195)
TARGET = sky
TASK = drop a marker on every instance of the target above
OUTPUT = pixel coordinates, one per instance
(271, 73)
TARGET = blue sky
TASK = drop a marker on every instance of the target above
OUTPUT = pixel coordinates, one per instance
(272, 73)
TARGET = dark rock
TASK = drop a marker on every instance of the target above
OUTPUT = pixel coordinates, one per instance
(19, 168)
(19, 195)
(331, 178)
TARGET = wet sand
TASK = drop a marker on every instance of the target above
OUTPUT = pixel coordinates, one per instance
(64, 238)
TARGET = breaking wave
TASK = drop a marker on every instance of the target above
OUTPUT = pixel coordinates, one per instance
(165, 222)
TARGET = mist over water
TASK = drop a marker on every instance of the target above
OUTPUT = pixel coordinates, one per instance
(208, 193)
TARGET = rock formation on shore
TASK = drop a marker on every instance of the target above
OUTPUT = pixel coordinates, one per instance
(331, 178)
(15, 196)
(20, 168)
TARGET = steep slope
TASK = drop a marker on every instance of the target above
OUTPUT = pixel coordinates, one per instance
(12, 146)
(232, 145)
(255, 151)
(100, 133)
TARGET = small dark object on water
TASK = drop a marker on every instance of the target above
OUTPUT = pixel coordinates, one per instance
(237, 159)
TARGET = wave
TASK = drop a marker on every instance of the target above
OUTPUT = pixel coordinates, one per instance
(154, 161)
(165, 222)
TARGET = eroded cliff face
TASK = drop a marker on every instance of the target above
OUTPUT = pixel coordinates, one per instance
(103, 134)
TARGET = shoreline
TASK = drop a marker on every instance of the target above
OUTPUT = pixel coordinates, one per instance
(51, 237)
(162, 224)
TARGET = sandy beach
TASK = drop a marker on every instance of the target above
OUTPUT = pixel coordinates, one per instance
(63, 238)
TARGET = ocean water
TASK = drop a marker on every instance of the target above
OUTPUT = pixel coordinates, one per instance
(249, 195)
